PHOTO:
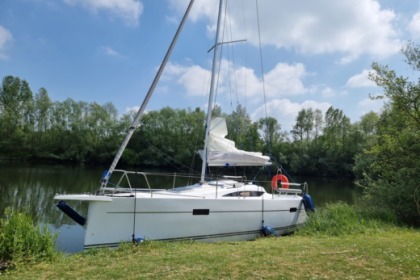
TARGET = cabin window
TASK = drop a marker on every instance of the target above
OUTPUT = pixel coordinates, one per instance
(201, 211)
(244, 194)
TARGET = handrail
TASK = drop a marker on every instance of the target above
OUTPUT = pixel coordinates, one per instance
(125, 175)
(286, 190)
(292, 184)
(173, 194)
(131, 188)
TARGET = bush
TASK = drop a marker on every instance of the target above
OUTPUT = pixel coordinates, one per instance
(22, 240)
(340, 219)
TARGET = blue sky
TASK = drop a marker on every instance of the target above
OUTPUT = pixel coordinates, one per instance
(315, 53)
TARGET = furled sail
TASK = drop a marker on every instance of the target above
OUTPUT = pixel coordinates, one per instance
(222, 151)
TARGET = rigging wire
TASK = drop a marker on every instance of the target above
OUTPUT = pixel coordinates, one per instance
(167, 158)
(241, 122)
(262, 75)
(231, 64)
(265, 100)
(231, 74)
(261, 58)
(221, 48)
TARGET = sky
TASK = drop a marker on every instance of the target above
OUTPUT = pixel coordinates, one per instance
(298, 54)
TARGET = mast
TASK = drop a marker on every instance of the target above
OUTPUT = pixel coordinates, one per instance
(211, 96)
(135, 124)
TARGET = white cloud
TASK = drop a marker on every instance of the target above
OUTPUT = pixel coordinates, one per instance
(5, 38)
(131, 110)
(128, 10)
(328, 92)
(367, 105)
(202, 9)
(346, 27)
(343, 93)
(194, 79)
(360, 80)
(111, 52)
(285, 111)
(414, 26)
(282, 80)
(286, 80)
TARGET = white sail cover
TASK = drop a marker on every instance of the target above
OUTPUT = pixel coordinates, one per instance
(222, 151)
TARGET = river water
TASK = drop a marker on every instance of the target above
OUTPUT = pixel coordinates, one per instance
(34, 186)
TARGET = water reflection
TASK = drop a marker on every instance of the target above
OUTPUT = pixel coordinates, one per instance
(34, 186)
(326, 190)
(70, 237)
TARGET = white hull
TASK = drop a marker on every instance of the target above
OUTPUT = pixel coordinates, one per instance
(197, 212)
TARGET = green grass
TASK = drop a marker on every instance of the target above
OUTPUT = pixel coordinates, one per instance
(337, 219)
(392, 254)
(374, 250)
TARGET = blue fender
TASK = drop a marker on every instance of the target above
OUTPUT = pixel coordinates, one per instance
(308, 203)
(268, 231)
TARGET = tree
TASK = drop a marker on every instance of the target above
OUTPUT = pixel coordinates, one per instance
(305, 122)
(367, 130)
(15, 104)
(318, 122)
(298, 128)
(270, 132)
(390, 167)
(16, 115)
(334, 150)
(167, 137)
(239, 124)
(42, 110)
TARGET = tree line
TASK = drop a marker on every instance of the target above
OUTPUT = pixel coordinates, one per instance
(382, 151)
(36, 128)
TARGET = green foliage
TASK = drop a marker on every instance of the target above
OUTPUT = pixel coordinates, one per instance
(22, 240)
(305, 121)
(388, 170)
(168, 137)
(16, 116)
(243, 131)
(270, 132)
(330, 153)
(89, 132)
(337, 219)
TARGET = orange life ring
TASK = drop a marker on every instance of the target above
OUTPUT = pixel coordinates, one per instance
(283, 179)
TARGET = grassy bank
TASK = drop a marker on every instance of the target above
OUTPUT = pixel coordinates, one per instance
(392, 254)
(338, 242)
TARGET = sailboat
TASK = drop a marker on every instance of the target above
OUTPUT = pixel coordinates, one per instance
(226, 208)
